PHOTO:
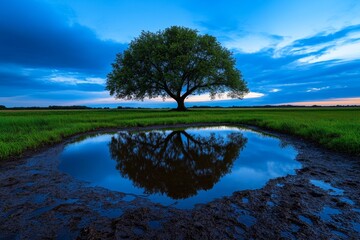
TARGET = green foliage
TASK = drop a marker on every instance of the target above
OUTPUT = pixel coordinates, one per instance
(176, 63)
(332, 128)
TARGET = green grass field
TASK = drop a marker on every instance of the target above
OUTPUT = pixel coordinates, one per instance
(333, 128)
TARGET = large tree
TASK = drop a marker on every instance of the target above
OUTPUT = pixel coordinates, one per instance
(176, 63)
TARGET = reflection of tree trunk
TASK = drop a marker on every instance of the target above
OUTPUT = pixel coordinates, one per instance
(181, 143)
(166, 142)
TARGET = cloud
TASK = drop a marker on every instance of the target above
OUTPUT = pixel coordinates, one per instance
(317, 89)
(267, 70)
(335, 46)
(122, 21)
(43, 49)
(76, 81)
(33, 33)
(253, 95)
(340, 52)
(327, 102)
(274, 90)
(54, 97)
(251, 42)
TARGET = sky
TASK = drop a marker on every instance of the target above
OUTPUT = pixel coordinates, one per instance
(301, 52)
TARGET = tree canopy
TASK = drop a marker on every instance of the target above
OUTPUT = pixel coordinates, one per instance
(176, 62)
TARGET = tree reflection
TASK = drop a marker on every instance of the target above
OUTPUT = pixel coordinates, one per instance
(175, 163)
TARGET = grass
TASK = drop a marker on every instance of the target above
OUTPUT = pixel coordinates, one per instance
(333, 128)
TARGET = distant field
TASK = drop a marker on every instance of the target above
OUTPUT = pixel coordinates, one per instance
(333, 128)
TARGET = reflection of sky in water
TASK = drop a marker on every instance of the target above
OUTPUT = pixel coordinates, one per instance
(263, 158)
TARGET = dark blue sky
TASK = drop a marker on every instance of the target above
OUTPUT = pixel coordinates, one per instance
(55, 52)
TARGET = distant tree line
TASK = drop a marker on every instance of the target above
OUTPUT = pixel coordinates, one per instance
(75, 107)
(2, 107)
(69, 107)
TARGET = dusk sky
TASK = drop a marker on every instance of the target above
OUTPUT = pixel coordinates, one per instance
(58, 52)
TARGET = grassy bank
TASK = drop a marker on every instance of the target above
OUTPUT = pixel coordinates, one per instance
(333, 128)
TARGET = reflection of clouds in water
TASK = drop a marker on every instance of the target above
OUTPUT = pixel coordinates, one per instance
(81, 142)
(246, 173)
(276, 169)
(271, 170)
(251, 177)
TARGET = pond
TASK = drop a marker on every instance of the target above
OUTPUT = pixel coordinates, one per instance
(179, 167)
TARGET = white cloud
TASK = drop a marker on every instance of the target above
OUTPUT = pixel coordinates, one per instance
(274, 90)
(74, 80)
(317, 89)
(342, 52)
(250, 43)
(293, 84)
(95, 80)
(254, 95)
(288, 49)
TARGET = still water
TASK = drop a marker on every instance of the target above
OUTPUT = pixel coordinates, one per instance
(181, 167)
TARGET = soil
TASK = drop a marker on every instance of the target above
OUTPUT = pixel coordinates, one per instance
(37, 201)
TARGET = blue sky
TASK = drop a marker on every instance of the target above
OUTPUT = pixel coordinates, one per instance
(58, 52)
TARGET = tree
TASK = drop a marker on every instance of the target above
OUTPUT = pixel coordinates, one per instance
(175, 63)
(176, 163)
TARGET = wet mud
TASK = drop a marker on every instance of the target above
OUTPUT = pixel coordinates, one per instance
(321, 201)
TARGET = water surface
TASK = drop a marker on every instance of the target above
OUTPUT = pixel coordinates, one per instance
(180, 167)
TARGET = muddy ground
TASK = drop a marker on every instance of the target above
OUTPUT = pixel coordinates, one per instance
(37, 201)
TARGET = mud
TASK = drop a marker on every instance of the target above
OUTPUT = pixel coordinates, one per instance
(322, 201)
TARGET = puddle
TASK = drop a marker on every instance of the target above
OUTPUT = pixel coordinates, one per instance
(327, 212)
(327, 187)
(356, 210)
(39, 211)
(356, 226)
(179, 167)
(138, 230)
(347, 200)
(287, 235)
(243, 216)
(247, 220)
(305, 220)
(39, 198)
(340, 234)
(294, 228)
(128, 198)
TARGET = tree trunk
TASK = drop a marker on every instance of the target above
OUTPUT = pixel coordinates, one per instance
(181, 104)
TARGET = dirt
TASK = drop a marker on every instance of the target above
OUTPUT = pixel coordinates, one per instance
(38, 201)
